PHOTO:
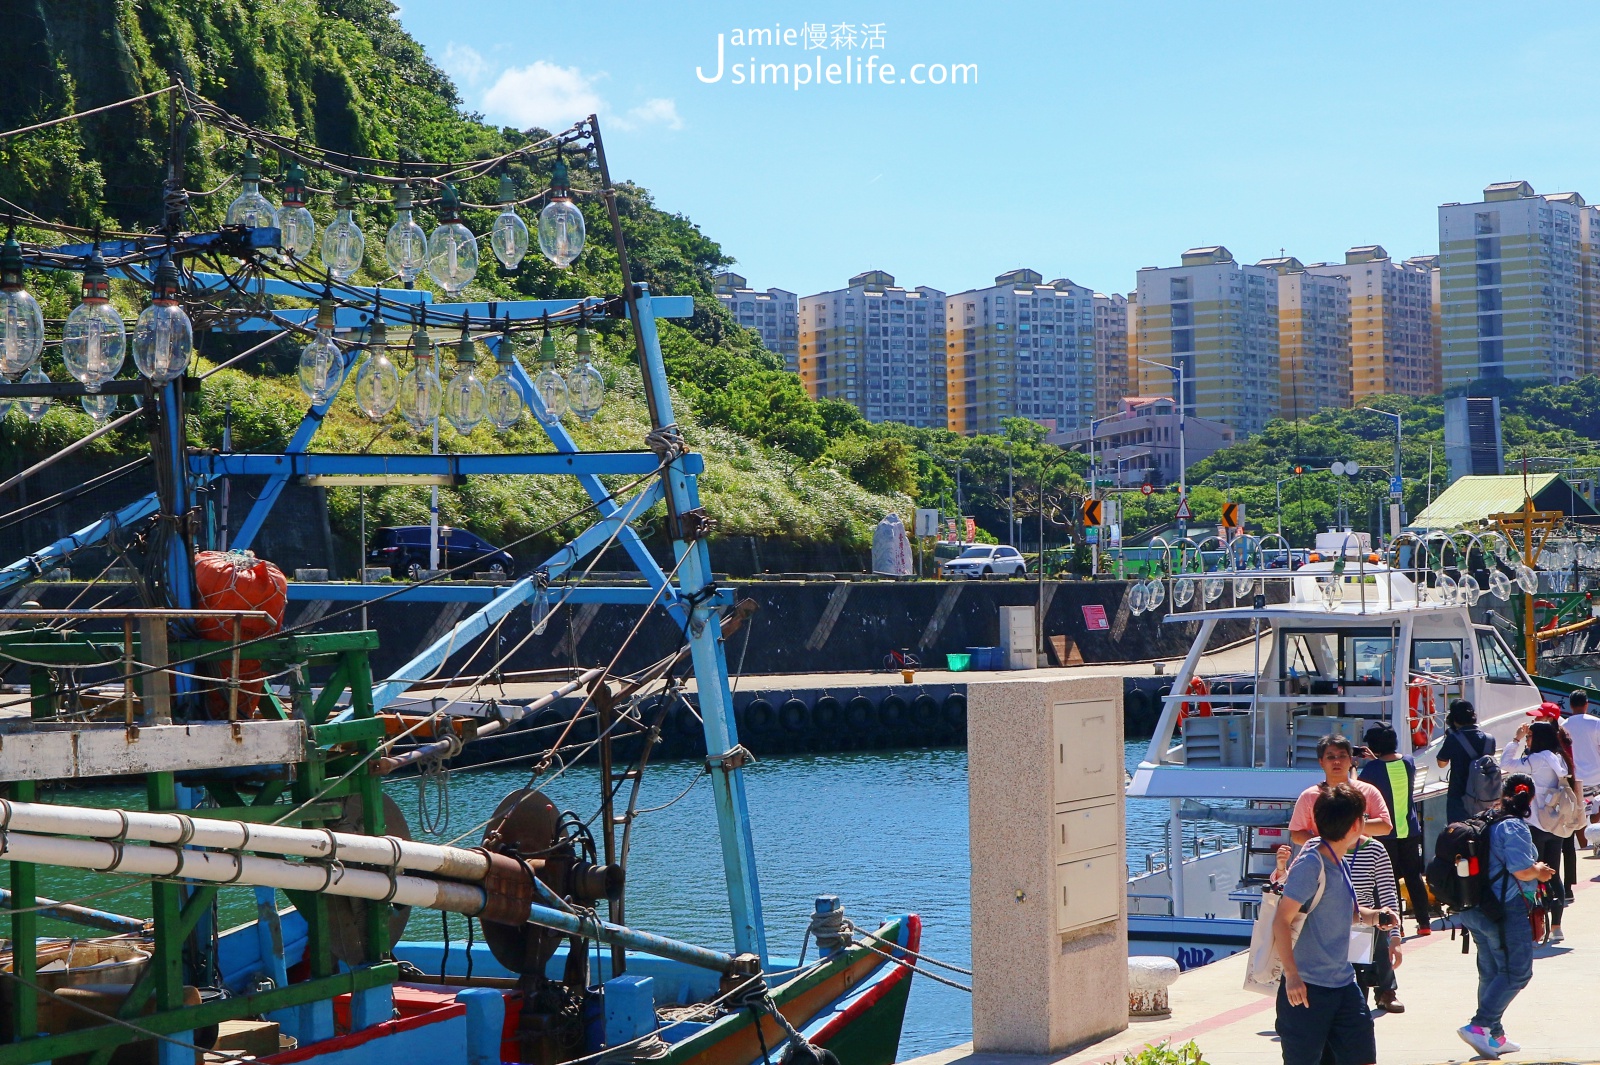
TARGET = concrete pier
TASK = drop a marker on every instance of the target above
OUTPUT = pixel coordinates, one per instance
(1438, 985)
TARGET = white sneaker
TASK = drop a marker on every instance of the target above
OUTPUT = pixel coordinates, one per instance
(1478, 1039)
(1502, 1045)
(1555, 934)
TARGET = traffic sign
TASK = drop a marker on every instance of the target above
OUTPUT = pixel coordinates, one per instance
(1395, 485)
(1232, 515)
(1183, 510)
(1091, 512)
(1147, 488)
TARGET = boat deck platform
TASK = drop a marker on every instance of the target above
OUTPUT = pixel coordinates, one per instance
(1438, 985)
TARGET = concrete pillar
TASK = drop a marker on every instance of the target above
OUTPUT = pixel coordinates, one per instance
(1049, 922)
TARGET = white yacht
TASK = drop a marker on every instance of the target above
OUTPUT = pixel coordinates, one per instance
(1356, 642)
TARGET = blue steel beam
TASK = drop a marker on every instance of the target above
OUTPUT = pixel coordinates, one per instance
(342, 592)
(435, 655)
(626, 463)
(439, 314)
(311, 290)
(31, 566)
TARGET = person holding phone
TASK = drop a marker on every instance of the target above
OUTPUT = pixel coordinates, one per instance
(1336, 756)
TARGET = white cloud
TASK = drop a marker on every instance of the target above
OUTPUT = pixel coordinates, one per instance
(659, 111)
(466, 67)
(542, 94)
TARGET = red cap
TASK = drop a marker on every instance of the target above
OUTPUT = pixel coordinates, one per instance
(1546, 712)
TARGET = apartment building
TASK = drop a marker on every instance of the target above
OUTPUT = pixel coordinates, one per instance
(1021, 348)
(1519, 296)
(1430, 263)
(877, 346)
(1313, 339)
(1110, 352)
(1218, 321)
(1391, 323)
(773, 313)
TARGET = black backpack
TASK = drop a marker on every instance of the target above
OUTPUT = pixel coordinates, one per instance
(1458, 874)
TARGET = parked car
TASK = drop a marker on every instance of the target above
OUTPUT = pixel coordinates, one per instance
(404, 549)
(982, 559)
(1294, 558)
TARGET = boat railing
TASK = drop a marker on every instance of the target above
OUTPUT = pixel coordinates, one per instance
(1136, 900)
(1231, 731)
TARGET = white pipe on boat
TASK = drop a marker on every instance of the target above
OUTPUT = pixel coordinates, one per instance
(390, 852)
(332, 878)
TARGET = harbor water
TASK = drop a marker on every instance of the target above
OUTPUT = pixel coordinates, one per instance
(885, 831)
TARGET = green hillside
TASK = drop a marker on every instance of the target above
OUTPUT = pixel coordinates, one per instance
(344, 74)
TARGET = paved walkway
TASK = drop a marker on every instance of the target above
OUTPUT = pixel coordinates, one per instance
(1438, 984)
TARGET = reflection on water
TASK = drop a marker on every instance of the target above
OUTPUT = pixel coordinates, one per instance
(885, 831)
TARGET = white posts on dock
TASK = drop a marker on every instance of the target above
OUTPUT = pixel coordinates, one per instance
(1049, 876)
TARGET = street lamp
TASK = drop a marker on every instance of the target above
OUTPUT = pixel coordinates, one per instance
(1094, 487)
(1395, 484)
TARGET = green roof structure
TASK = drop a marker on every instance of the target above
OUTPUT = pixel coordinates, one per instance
(1470, 500)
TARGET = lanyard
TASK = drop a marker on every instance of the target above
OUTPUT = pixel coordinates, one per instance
(1344, 871)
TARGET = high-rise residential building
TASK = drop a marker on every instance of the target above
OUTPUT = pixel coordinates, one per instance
(1218, 322)
(1391, 323)
(1430, 263)
(773, 313)
(1110, 352)
(1518, 289)
(879, 347)
(1313, 339)
(1021, 348)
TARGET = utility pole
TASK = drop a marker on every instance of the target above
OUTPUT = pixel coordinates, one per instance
(1397, 515)
(1011, 499)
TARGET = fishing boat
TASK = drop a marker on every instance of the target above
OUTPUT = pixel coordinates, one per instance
(262, 747)
(1345, 642)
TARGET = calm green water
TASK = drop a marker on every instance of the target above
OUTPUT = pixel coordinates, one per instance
(885, 831)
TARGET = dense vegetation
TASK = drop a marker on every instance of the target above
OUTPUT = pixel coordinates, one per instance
(344, 74)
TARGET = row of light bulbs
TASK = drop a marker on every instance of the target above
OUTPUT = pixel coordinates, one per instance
(449, 254)
(466, 400)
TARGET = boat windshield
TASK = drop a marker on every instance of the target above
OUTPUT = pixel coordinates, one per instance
(1321, 662)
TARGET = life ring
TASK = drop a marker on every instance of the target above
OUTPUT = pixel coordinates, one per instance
(1197, 686)
(1422, 714)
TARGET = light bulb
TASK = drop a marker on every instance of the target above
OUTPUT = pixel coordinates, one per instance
(1213, 589)
(405, 246)
(509, 238)
(1157, 593)
(1500, 585)
(419, 391)
(552, 390)
(93, 342)
(1182, 591)
(1528, 579)
(23, 327)
(163, 337)
(504, 398)
(342, 244)
(1138, 597)
(465, 400)
(33, 407)
(100, 406)
(452, 249)
(377, 378)
(1471, 591)
(250, 208)
(322, 367)
(1446, 588)
(561, 226)
(295, 224)
(586, 389)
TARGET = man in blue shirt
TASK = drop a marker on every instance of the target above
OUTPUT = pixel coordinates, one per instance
(1505, 942)
(1320, 1008)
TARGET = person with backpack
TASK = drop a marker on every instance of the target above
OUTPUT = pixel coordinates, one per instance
(1336, 756)
(1395, 777)
(1467, 751)
(1321, 1010)
(1497, 909)
(1536, 751)
(1548, 711)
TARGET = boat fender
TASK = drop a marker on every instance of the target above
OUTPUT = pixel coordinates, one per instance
(892, 712)
(807, 1054)
(955, 710)
(860, 714)
(924, 711)
(794, 715)
(759, 716)
(1135, 704)
(827, 714)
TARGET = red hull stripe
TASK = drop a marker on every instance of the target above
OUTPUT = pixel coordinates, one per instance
(890, 977)
(366, 1035)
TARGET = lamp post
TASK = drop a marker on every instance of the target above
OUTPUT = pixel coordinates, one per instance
(1396, 516)
(1094, 487)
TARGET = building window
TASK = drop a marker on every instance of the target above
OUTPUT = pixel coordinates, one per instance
(1179, 288)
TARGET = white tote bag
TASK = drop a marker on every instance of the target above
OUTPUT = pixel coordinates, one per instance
(1266, 968)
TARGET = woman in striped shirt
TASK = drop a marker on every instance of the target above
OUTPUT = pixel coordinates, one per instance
(1373, 878)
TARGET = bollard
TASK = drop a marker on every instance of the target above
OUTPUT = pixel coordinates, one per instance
(1148, 980)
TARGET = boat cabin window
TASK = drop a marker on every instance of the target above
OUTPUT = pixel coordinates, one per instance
(1320, 663)
(1441, 658)
(1498, 665)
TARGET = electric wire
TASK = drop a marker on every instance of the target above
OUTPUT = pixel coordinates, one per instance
(92, 111)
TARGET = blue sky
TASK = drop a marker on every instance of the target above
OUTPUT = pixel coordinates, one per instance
(1097, 139)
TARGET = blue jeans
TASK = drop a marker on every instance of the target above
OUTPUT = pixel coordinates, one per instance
(1505, 961)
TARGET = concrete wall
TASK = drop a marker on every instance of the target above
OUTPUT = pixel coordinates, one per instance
(1036, 988)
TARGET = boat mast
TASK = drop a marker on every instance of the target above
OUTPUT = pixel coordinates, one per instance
(688, 524)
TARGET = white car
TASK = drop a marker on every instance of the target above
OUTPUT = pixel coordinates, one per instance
(982, 559)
